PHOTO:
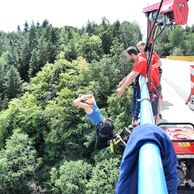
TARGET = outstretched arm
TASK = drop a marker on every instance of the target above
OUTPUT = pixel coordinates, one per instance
(129, 79)
(122, 82)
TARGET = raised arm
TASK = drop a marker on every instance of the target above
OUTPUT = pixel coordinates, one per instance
(85, 102)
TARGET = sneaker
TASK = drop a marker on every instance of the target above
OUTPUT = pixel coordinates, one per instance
(122, 137)
(135, 122)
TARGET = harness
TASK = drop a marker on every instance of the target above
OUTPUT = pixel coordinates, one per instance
(105, 129)
(151, 83)
(104, 133)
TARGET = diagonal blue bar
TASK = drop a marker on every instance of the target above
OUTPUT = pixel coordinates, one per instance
(151, 179)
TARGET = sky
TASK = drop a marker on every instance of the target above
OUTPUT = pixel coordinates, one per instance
(75, 12)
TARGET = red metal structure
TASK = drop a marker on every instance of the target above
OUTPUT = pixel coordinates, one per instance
(171, 12)
(165, 13)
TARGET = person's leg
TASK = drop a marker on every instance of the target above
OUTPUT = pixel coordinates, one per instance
(159, 101)
(159, 106)
(154, 103)
(160, 94)
(101, 142)
(136, 103)
(104, 134)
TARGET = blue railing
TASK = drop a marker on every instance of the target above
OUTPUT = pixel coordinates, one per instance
(151, 179)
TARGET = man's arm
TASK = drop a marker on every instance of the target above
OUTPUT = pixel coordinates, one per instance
(157, 60)
(128, 81)
(122, 82)
(157, 64)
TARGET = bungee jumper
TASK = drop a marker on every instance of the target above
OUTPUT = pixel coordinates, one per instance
(105, 127)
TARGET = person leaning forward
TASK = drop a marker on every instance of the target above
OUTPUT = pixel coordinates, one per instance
(156, 73)
(139, 68)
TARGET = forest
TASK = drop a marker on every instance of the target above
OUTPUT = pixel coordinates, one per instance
(46, 143)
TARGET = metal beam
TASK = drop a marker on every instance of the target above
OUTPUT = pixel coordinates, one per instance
(151, 179)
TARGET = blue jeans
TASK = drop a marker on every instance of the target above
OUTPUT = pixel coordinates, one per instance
(136, 99)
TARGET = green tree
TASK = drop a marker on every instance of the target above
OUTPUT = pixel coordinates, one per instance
(105, 33)
(104, 177)
(26, 27)
(176, 38)
(91, 28)
(70, 51)
(71, 177)
(13, 83)
(90, 47)
(189, 44)
(177, 51)
(120, 109)
(18, 163)
(162, 45)
(33, 37)
(23, 113)
(3, 42)
(2, 75)
(34, 63)
(25, 60)
(130, 34)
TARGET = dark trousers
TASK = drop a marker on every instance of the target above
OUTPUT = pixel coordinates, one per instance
(136, 99)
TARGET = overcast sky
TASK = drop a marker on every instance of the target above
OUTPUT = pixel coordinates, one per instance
(75, 12)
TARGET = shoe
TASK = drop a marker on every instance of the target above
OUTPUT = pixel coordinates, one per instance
(135, 122)
(122, 136)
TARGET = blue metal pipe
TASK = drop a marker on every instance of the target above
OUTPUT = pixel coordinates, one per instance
(151, 179)
(146, 114)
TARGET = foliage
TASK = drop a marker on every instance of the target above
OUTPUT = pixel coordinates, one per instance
(176, 41)
(120, 109)
(23, 114)
(13, 83)
(90, 47)
(104, 177)
(130, 34)
(71, 177)
(177, 51)
(42, 69)
(18, 163)
(79, 177)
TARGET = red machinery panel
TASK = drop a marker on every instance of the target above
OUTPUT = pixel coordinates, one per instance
(176, 10)
(182, 139)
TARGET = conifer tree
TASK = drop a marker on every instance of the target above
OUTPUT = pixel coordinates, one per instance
(13, 83)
